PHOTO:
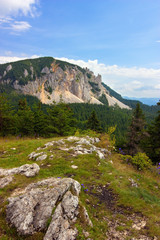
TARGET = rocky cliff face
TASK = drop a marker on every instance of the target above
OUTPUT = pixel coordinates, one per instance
(52, 80)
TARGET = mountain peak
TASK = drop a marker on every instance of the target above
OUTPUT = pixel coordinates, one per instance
(51, 80)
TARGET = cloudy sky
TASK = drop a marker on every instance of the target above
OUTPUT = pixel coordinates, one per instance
(119, 39)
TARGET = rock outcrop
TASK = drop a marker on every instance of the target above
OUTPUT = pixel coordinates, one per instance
(29, 170)
(81, 145)
(52, 80)
(51, 199)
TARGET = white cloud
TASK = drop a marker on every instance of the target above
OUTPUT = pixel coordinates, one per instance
(16, 7)
(20, 26)
(11, 9)
(157, 86)
(6, 59)
(128, 81)
(158, 41)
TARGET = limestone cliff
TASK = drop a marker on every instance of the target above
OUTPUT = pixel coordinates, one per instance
(52, 80)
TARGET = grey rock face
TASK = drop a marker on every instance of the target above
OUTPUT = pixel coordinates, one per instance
(29, 170)
(30, 211)
(65, 214)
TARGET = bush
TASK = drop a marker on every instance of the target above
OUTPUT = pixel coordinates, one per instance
(141, 161)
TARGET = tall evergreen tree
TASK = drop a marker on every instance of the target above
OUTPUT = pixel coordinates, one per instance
(61, 119)
(7, 120)
(93, 123)
(136, 131)
(40, 121)
(153, 141)
(25, 119)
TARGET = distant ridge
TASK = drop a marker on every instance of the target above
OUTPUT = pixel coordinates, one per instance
(148, 101)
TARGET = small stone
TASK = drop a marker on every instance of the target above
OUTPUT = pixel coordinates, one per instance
(86, 234)
(139, 226)
(33, 155)
(74, 166)
(100, 155)
(133, 183)
(13, 149)
(49, 144)
(72, 138)
(43, 157)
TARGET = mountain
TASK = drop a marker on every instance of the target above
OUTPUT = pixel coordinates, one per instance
(52, 80)
(148, 101)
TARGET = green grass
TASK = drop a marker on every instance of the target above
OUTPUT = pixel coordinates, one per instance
(94, 174)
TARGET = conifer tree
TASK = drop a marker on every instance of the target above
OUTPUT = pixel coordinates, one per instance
(61, 119)
(136, 131)
(40, 121)
(7, 120)
(25, 119)
(153, 141)
(93, 123)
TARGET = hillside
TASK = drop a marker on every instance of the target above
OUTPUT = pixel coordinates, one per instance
(116, 201)
(52, 80)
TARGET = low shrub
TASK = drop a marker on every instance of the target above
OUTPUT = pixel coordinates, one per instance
(141, 161)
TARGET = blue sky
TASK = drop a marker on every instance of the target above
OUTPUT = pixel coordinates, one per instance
(120, 39)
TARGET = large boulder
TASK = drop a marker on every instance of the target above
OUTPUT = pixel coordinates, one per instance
(53, 198)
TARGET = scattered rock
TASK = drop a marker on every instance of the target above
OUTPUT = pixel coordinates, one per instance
(13, 149)
(138, 225)
(72, 138)
(74, 166)
(48, 144)
(133, 183)
(29, 170)
(30, 212)
(79, 149)
(33, 155)
(5, 181)
(60, 142)
(100, 155)
(86, 234)
(43, 157)
(84, 141)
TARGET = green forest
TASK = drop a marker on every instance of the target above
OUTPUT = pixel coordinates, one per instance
(136, 130)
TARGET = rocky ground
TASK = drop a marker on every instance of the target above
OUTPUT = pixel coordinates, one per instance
(53, 205)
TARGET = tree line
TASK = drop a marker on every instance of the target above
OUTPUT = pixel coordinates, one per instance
(64, 119)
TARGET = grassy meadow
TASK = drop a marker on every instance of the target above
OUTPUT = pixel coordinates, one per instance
(107, 192)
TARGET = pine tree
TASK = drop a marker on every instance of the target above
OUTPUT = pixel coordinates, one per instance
(61, 119)
(25, 119)
(93, 123)
(153, 141)
(40, 121)
(7, 120)
(136, 131)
